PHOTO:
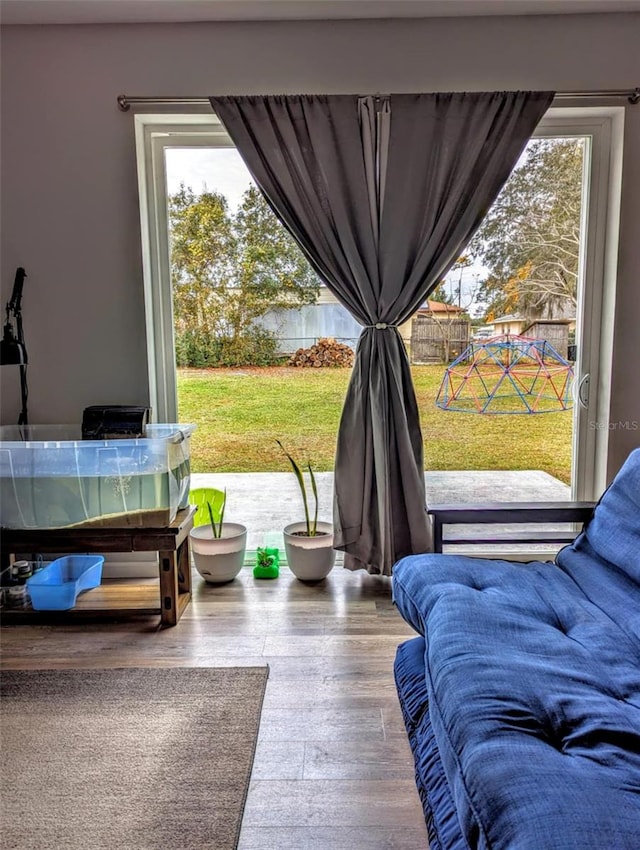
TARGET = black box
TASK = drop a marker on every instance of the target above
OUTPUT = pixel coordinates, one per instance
(114, 421)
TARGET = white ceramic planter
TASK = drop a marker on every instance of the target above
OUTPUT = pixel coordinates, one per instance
(219, 559)
(309, 558)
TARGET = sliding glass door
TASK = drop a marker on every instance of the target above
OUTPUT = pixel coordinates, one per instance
(591, 138)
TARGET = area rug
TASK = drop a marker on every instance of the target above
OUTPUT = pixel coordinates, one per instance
(130, 759)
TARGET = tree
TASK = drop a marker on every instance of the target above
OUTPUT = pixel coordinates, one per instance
(203, 252)
(441, 294)
(530, 238)
(227, 271)
(448, 324)
(271, 272)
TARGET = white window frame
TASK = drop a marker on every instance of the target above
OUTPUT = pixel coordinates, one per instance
(603, 126)
(153, 134)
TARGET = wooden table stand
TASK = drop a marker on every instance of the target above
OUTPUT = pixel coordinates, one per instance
(174, 564)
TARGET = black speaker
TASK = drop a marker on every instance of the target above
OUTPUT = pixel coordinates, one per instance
(114, 422)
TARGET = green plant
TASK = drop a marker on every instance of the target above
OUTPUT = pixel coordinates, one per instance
(205, 349)
(216, 527)
(264, 557)
(311, 526)
(267, 563)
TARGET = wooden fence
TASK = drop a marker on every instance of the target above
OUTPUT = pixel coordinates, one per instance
(438, 340)
(556, 333)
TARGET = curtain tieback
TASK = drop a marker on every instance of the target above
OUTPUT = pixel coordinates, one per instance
(381, 326)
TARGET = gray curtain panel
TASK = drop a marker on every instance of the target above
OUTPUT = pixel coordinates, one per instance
(382, 195)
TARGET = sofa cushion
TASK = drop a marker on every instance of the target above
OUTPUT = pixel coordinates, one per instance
(613, 533)
(440, 811)
(534, 697)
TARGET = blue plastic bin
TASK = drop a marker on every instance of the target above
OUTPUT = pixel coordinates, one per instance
(56, 587)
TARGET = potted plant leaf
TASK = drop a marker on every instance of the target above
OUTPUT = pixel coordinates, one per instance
(218, 547)
(308, 543)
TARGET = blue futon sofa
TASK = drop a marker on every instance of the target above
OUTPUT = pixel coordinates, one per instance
(521, 697)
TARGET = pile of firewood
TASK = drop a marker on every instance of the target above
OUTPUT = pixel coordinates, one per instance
(326, 352)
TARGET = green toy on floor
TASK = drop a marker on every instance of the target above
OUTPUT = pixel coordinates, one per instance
(267, 563)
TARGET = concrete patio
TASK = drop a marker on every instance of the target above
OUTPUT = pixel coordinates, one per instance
(267, 501)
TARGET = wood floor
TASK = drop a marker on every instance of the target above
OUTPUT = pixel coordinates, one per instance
(333, 769)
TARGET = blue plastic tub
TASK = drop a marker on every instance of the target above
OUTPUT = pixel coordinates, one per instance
(56, 587)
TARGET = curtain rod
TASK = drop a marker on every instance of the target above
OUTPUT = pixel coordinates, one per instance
(125, 101)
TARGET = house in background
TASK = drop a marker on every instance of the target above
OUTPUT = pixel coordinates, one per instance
(509, 324)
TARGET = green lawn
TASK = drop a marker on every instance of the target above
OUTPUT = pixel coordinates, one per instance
(241, 412)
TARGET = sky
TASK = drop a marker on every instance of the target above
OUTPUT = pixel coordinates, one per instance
(223, 170)
(219, 169)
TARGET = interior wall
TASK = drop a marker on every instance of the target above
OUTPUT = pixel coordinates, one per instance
(69, 188)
